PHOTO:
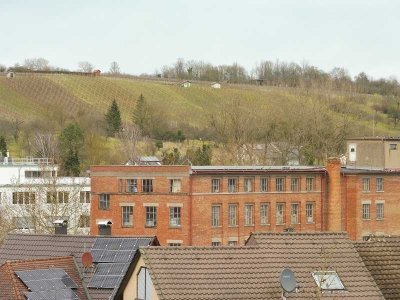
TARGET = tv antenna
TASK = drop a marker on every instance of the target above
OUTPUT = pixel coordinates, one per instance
(288, 282)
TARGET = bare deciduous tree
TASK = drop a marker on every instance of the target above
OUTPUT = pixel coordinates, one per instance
(114, 68)
(130, 136)
(37, 64)
(45, 145)
(85, 66)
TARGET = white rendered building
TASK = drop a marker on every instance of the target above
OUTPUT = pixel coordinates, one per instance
(33, 197)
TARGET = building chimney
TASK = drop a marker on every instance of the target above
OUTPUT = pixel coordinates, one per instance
(333, 210)
(60, 226)
(104, 227)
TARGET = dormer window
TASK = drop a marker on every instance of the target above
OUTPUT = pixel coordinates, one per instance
(328, 280)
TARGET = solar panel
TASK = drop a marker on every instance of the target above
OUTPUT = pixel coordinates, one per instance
(64, 294)
(46, 279)
(113, 256)
(108, 275)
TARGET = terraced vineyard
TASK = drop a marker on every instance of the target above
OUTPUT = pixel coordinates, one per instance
(33, 96)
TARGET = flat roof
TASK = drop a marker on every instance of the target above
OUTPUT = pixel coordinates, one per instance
(375, 138)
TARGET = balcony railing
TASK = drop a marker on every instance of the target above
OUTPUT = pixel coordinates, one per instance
(29, 160)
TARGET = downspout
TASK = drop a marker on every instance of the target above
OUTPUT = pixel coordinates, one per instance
(190, 207)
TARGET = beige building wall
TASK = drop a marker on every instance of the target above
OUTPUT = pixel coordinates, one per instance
(392, 154)
(130, 291)
(369, 153)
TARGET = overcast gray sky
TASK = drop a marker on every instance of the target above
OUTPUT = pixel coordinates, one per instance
(143, 35)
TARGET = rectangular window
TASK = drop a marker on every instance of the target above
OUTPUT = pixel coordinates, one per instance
(84, 197)
(147, 185)
(295, 184)
(232, 210)
(51, 197)
(379, 184)
(131, 186)
(232, 185)
(392, 146)
(175, 216)
(365, 184)
(280, 213)
(23, 197)
(232, 243)
(84, 221)
(294, 214)
(249, 214)
(174, 185)
(264, 213)
(215, 244)
(215, 185)
(127, 216)
(379, 211)
(174, 244)
(280, 184)
(63, 197)
(310, 184)
(264, 184)
(310, 213)
(366, 208)
(23, 222)
(104, 201)
(248, 184)
(151, 216)
(215, 215)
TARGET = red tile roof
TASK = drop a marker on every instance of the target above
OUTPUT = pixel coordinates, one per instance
(12, 287)
(253, 271)
(382, 258)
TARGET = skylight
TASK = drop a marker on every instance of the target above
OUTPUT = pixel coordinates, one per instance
(328, 280)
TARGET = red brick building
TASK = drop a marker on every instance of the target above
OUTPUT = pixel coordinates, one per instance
(185, 205)
(188, 205)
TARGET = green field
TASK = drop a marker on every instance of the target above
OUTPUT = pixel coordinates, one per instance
(32, 97)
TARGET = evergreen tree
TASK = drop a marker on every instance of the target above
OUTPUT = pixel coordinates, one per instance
(141, 116)
(71, 144)
(113, 119)
(3, 146)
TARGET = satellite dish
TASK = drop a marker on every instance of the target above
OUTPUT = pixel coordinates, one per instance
(288, 280)
(87, 259)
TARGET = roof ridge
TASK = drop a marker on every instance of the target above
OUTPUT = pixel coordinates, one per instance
(50, 258)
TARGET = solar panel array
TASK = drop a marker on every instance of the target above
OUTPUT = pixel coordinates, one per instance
(64, 294)
(48, 284)
(113, 256)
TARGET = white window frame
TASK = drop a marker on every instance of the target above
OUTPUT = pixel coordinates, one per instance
(264, 213)
(310, 212)
(216, 215)
(232, 214)
(175, 215)
(280, 213)
(215, 185)
(127, 213)
(294, 213)
(175, 185)
(249, 214)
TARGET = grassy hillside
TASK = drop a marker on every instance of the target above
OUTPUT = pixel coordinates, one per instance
(32, 97)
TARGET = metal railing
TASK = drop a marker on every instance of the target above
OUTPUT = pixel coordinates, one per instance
(29, 160)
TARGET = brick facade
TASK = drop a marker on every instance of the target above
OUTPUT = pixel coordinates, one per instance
(251, 207)
(223, 205)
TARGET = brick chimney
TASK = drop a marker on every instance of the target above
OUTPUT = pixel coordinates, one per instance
(334, 205)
